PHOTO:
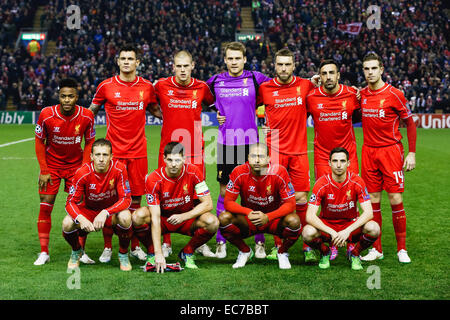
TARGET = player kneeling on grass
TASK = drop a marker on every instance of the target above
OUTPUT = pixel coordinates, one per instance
(178, 202)
(338, 222)
(100, 196)
(267, 206)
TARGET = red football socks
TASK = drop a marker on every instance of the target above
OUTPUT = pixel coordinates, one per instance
(44, 225)
(72, 238)
(124, 235)
(399, 221)
(301, 212)
(233, 234)
(289, 236)
(376, 207)
(201, 236)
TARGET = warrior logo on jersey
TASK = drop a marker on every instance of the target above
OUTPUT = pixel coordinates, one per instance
(252, 188)
(111, 183)
(116, 94)
(77, 129)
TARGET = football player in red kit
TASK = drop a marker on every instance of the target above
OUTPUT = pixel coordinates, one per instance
(178, 201)
(337, 194)
(59, 133)
(99, 197)
(126, 97)
(267, 206)
(382, 161)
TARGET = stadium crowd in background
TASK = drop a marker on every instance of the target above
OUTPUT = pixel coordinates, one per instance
(412, 38)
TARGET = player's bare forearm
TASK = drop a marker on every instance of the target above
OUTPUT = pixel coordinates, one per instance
(94, 108)
(155, 110)
(366, 216)
(155, 218)
(205, 205)
(313, 220)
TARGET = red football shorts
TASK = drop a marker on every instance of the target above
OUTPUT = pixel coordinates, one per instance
(382, 168)
(182, 228)
(321, 166)
(195, 160)
(57, 175)
(339, 225)
(137, 170)
(297, 166)
(91, 214)
(270, 227)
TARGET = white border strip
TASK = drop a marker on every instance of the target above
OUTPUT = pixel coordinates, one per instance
(14, 142)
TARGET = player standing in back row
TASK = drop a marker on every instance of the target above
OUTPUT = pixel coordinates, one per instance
(126, 98)
(59, 133)
(235, 92)
(180, 98)
(284, 98)
(382, 161)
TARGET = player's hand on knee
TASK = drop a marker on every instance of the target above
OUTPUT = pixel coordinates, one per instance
(341, 238)
(100, 219)
(44, 179)
(175, 219)
(85, 224)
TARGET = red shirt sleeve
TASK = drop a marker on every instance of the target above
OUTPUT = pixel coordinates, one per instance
(152, 190)
(208, 98)
(40, 155)
(100, 94)
(231, 194)
(76, 193)
(231, 205)
(287, 207)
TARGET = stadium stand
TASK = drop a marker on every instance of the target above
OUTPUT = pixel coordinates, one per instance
(412, 41)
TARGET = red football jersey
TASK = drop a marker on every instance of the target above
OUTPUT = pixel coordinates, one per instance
(125, 105)
(175, 195)
(381, 113)
(285, 107)
(181, 107)
(338, 200)
(260, 193)
(63, 135)
(332, 115)
(98, 191)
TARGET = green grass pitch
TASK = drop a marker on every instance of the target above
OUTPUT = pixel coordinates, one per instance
(427, 204)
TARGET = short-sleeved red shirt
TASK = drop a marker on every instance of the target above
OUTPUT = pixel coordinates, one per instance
(63, 135)
(125, 105)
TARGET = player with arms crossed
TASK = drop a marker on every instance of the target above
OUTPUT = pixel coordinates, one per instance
(235, 92)
(382, 161)
(178, 202)
(337, 195)
(99, 197)
(180, 98)
(284, 98)
(332, 106)
(59, 133)
(126, 98)
(267, 206)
